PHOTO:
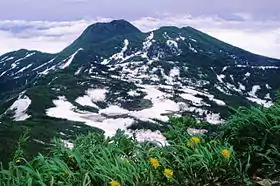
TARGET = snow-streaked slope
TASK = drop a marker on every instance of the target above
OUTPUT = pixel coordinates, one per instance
(120, 56)
(69, 61)
(138, 81)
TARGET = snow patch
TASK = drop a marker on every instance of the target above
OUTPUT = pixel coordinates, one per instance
(213, 118)
(65, 110)
(119, 56)
(267, 86)
(3, 59)
(231, 77)
(67, 144)
(85, 101)
(192, 49)
(195, 100)
(48, 62)
(182, 38)
(148, 135)
(224, 68)
(254, 90)
(10, 58)
(193, 131)
(162, 106)
(264, 103)
(46, 71)
(267, 96)
(172, 43)
(221, 77)
(3, 73)
(114, 110)
(147, 44)
(68, 63)
(193, 39)
(133, 93)
(23, 69)
(92, 95)
(97, 94)
(218, 102)
(247, 75)
(20, 107)
(27, 56)
(78, 71)
(174, 72)
(222, 90)
(241, 87)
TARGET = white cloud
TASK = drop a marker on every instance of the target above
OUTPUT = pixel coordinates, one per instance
(42, 43)
(260, 37)
(40, 35)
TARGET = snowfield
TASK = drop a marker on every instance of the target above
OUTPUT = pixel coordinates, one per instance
(66, 110)
(162, 106)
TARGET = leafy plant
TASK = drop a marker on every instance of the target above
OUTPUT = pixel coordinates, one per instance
(254, 133)
(246, 147)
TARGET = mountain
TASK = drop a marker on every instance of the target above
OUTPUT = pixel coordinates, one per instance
(116, 77)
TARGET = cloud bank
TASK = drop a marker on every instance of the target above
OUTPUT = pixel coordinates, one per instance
(258, 36)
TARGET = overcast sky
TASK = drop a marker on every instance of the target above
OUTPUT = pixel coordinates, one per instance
(50, 25)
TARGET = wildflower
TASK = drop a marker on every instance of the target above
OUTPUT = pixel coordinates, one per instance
(154, 162)
(225, 153)
(168, 173)
(193, 141)
(18, 162)
(71, 156)
(114, 183)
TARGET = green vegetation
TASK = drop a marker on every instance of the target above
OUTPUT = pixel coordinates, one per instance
(243, 151)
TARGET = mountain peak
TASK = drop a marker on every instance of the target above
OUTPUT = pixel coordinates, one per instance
(115, 25)
(100, 31)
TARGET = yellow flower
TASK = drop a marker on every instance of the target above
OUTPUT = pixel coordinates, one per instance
(114, 183)
(226, 153)
(193, 141)
(18, 161)
(154, 162)
(168, 173)
(71, 156)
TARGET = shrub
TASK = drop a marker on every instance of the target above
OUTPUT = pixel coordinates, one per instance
(254, 134)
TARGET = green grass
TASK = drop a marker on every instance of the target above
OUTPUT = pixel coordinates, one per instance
(236, 153)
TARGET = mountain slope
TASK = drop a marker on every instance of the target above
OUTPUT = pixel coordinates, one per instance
(116, 77)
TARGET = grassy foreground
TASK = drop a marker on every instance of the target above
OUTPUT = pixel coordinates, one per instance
(243, 151)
